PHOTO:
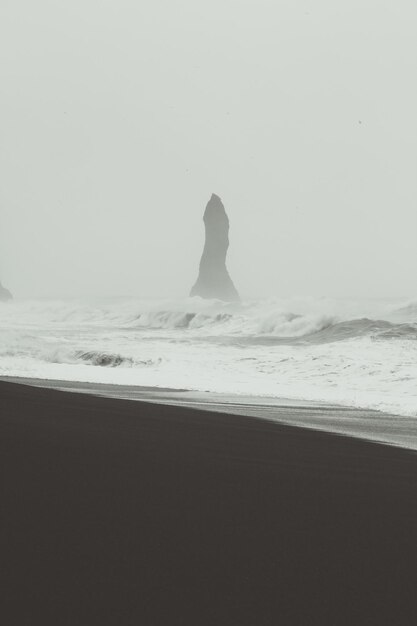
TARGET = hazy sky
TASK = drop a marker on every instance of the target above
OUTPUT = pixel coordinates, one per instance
(118, 119)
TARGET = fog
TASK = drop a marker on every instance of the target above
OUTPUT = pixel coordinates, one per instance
(119, 119)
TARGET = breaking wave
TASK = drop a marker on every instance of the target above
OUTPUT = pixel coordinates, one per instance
(408, 310)
(103, 359)
(180, 319)
(307, 320)
(319, 327)
(378, 329)
(98, 359)
(361, 353)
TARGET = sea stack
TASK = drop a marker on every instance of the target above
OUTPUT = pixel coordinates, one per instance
(214, 280)
(4, 294)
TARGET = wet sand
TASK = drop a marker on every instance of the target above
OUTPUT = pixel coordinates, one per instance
(117, 512)
(372, 425)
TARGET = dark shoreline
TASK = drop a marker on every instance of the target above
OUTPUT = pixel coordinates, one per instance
(368, 424)
(130, 513)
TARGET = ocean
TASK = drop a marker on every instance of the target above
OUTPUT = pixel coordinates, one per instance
(358, 353)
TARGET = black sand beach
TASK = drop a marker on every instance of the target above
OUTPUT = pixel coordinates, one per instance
(116, 512)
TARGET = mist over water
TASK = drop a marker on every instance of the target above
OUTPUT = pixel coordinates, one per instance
(353, 352)
(119, 121)
(117, 124)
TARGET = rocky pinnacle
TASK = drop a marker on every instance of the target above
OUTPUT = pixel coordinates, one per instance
(214, 280)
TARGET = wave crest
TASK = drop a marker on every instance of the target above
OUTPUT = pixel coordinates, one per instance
(97, 358)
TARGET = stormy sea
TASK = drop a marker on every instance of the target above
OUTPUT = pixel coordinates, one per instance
(354, 353)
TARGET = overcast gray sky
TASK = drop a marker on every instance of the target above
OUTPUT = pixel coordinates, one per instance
(118, 119)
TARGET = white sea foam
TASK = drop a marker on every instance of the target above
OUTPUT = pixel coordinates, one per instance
(359, 353)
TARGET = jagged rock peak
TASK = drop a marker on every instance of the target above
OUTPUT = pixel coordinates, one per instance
(4, 294)
(214, 280)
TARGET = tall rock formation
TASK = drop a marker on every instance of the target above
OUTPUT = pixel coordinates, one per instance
(4, 294)
(214, 280)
